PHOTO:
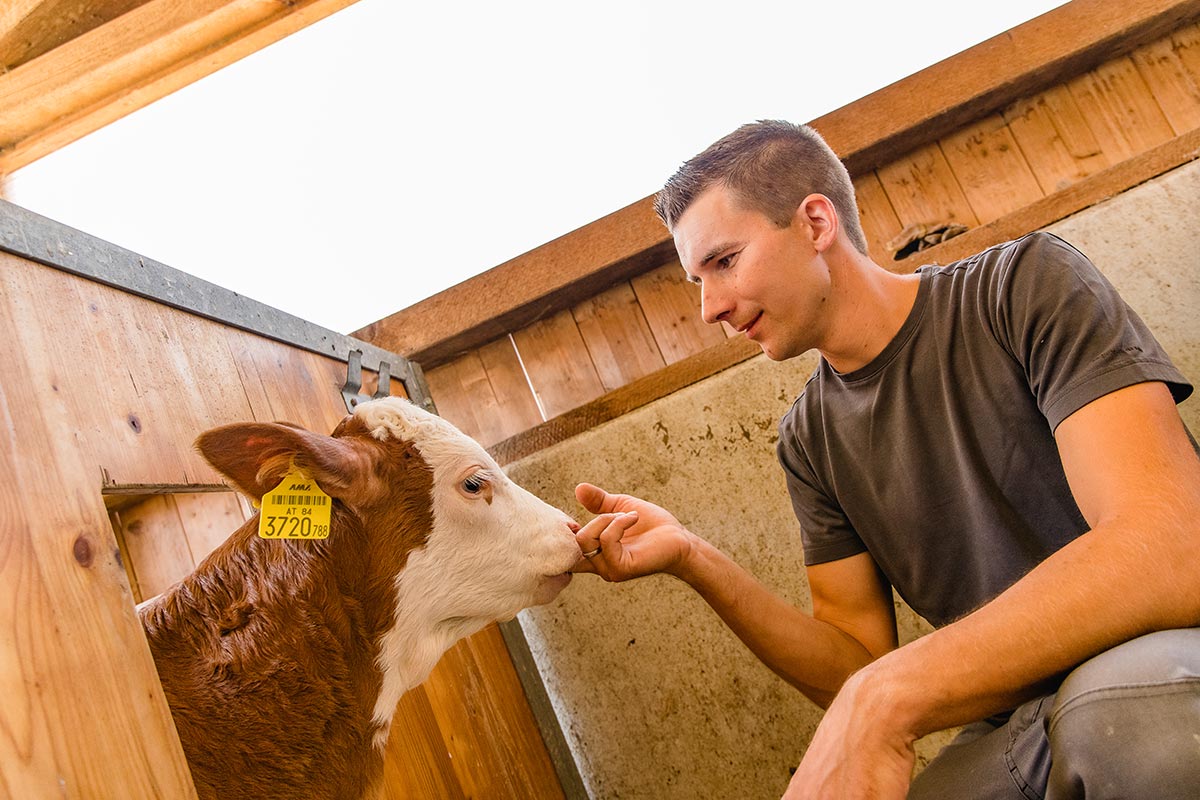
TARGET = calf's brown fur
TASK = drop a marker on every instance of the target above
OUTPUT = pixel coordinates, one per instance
(268, 651)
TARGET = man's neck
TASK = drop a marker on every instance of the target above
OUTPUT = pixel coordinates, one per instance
(870, 305)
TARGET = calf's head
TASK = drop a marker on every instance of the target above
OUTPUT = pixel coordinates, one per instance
(469, 545)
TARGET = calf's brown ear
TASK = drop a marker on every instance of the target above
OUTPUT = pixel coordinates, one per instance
(255, 457)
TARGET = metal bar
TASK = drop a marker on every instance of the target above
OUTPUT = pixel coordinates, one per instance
(36, 238)
(543, 711)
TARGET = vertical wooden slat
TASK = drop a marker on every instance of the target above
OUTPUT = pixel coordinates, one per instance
(617, 336)
(990, 169)
(922, 188)
(90, 715)
(155, 544)
(207, 519)
(879, 221)
(558, 365)
(417, 763)
(289, 385)
(485, 393)
(462, 394)
(1120, 109)
(672, 309)
(1171, 70)
(516, 409)
(497, 753)
(1055, 139)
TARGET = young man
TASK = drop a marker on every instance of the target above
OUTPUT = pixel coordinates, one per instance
(998, 440)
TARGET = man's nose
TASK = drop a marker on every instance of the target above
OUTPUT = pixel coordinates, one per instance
(714, 304)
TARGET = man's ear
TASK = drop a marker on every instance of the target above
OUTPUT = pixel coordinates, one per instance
(816, 212)
(256, 456)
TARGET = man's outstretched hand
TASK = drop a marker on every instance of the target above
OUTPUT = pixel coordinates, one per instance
(634, 537)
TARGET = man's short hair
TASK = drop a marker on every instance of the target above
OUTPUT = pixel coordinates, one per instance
(770, 166)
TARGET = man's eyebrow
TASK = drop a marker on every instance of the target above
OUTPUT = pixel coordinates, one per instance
(714, 252)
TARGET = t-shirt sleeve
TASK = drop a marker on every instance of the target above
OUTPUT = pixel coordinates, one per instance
(1074, 336)
(825, 530)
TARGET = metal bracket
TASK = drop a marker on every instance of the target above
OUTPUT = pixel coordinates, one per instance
(352, 389)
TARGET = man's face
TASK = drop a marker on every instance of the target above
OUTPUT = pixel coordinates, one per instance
(767, 282)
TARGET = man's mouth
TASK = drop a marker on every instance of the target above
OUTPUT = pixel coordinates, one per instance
(749, 327)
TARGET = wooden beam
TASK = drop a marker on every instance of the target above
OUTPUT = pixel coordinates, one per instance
(131, 61)
(880, 127)
(1044, 51)
(30, 28)
(533, 286)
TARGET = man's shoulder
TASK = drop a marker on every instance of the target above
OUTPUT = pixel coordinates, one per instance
(1005, 255)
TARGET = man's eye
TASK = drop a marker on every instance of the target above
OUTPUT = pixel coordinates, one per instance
(726, 262)
(474, 484)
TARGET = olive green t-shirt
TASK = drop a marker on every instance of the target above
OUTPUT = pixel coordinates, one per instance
(939, 456)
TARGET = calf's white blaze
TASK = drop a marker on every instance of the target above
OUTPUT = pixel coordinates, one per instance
(486, 557)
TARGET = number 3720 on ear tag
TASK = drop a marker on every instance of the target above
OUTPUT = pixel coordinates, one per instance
(295, 509)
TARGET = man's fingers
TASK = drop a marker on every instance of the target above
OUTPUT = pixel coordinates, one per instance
(610, 537)
(596, 500)
(600, 543)
(590, 497)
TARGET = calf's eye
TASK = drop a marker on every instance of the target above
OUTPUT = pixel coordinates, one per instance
(473, 484)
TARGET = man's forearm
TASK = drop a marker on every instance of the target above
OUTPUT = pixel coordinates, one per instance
(812, 655)
(1106, 587)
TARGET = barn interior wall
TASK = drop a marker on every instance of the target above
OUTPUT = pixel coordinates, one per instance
(657, 698)
(101, 390)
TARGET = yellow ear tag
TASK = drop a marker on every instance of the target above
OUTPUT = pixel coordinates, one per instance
(295, 509)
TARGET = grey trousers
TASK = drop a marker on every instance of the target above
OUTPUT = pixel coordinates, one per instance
(1125, 724)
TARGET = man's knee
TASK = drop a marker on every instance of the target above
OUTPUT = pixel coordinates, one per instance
(1127, 723)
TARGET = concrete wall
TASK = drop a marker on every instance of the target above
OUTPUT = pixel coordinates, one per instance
(657, 699)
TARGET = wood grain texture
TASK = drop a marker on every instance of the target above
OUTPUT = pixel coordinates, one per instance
(155, 544)
(1171, 69)
(497, 752)
(990, 169)
(91, 715)
(618, 338)
(120, 64)
(1083, 194)
(417, 763)
(1055, 139)
(485, 393)
(672, 308)
(611, 405)
(923, 189)
(207, 519)
(1120, 109)
(30, 28)
(557, 363)
(879, 221)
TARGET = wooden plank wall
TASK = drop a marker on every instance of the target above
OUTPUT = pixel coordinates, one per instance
(100, 389)
(1031, 149)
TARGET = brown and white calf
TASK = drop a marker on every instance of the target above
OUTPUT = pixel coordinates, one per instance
(283, 661)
